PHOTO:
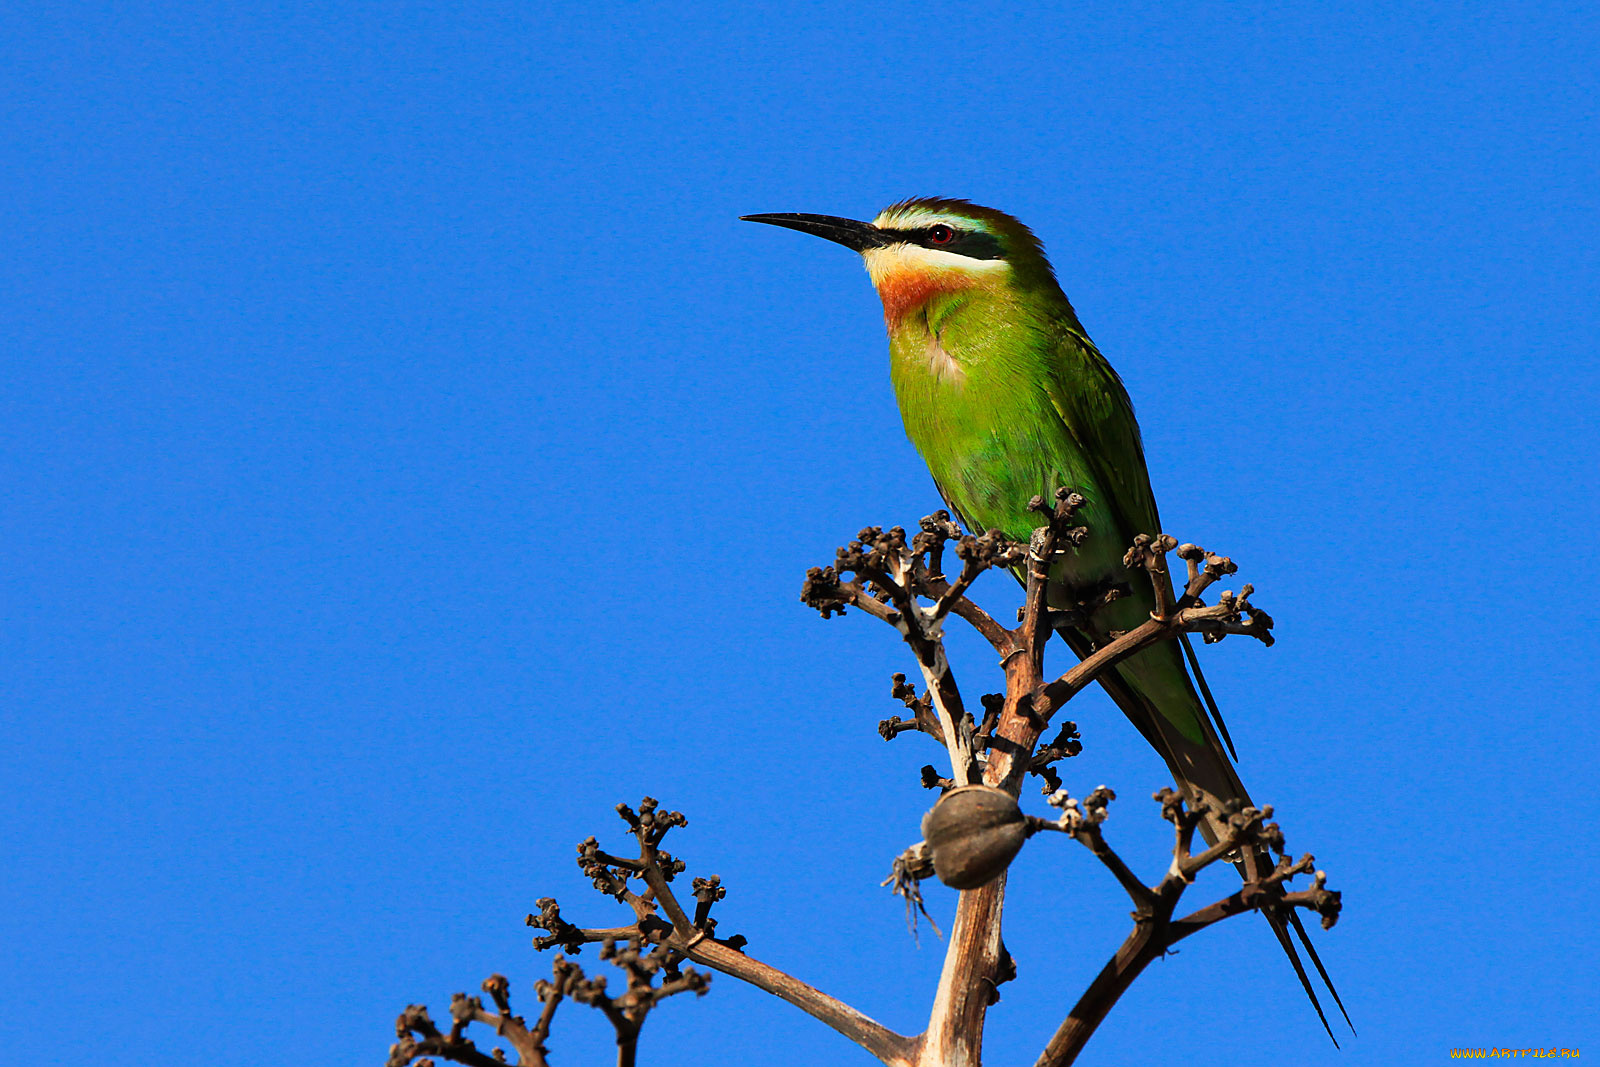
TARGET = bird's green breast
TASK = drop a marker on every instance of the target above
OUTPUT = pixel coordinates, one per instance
(1006, 401)
(971, 374)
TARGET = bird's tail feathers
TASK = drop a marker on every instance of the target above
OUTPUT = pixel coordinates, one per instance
(1203, 767)
(1205, 692)
(1280, 929)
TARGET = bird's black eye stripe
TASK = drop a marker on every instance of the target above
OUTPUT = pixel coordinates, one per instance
(945, 238)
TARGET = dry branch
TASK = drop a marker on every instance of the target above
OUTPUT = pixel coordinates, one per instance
(900, 580)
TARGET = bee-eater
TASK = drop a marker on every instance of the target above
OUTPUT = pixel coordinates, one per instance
(1005, 397)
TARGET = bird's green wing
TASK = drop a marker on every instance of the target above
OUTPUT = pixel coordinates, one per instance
(1096, 411)
(1098, 416)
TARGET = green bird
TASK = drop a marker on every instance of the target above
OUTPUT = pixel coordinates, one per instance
(1005, 397)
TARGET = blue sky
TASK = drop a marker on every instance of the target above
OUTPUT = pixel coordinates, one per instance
(407, 456)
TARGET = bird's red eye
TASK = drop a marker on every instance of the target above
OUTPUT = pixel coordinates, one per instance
(941, 235)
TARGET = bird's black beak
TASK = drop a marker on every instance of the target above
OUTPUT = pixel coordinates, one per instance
(857, 236)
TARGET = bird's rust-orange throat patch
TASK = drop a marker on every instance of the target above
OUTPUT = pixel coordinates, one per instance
(908, 276)
(906, 291)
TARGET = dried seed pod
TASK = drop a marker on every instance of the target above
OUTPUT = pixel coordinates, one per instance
(974, 832)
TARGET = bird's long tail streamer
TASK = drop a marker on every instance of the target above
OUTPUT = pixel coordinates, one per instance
(1208, 768)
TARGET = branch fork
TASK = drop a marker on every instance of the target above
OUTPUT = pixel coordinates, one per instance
(901, 581)
(1155, 930)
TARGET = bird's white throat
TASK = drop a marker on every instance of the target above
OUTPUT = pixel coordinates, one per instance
(906, 257)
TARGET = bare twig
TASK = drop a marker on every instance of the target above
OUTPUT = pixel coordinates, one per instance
(891, 575)
(1155, 930)
(902, 581)
(661, 919)
(419, 1037)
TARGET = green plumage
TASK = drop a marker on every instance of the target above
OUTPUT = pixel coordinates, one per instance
(1036, 407)
(1005, 397)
